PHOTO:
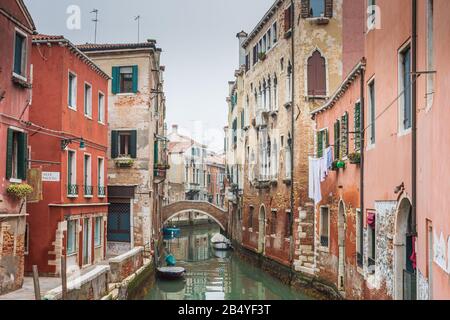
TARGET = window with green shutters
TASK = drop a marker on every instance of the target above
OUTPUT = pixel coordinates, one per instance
(20, 54)
(337, 139)
(357, 116)
(16, 155)
(124, 144)
(125, 79)
(344, 135)
(156, 152)
(322, 142)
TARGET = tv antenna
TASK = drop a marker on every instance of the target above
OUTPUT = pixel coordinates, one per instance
(96, 22)
(138, 18)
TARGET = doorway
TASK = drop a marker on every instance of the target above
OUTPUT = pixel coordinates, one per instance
(405, 254)
(262, 230)
(341, 242)
(86, 241)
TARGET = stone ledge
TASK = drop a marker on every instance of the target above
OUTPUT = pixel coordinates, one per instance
(127, 255)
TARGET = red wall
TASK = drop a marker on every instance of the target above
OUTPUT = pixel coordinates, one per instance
(50, 110)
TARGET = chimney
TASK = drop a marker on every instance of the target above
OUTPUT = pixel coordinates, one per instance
(242, 36)
(175, 129)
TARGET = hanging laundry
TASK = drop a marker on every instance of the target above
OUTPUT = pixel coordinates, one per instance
(413, 257)
(315, 174)
(329, 155)
(371, 219)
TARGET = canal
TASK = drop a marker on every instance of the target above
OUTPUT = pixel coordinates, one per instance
(216, 275)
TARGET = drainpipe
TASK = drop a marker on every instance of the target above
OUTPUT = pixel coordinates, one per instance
(414, 115)
(291, 251)
(363, 140)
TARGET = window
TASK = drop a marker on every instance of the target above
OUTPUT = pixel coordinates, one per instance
(275, 94)
(101, 107)
(125, 79)
(288, 87)
(255, 54)
(71, 173)
(275, 32)
(430, 52)
(288, 162)
(322, 142)
(344, 135)
(317, 75)
(337, 140)
(16, 155)
(269, 39)
(358, 128)
(247, 62)
(372, 238)
(101, 177)
(88, 100)
(372, 110)
(273, 224)
(71, 237)
(72, 95)
(316, 8)
(250, 217)
(324, 226)
(372, 14)
(405, 88)
(124, 144)
(288, 19)
(274, 161)
(98, 232)
(20, 54)
(87, 175)
(359, 238)
(288, 225)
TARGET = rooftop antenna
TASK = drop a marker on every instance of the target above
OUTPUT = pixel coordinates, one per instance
(138, 18)
(96, 22)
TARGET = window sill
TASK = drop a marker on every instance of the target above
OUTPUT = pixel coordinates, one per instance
(72, 108)
(101, 197)
(404, 132)
(71, 254)
(318, 20)
(370, 147)
(324, 249)
(88, 117)
(13, 180)
(101, 123)
(88, 197)
(125, 94)
(72, 196)
(98, 246)
(316, 97)
(21, 81)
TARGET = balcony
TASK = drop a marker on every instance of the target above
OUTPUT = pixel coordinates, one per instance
(101, 191)
(72, 190)
(88, 191)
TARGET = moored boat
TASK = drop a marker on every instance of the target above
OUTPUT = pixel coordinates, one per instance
(171, 273)
(220, 242)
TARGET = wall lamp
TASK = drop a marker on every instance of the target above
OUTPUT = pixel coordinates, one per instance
(65, 143)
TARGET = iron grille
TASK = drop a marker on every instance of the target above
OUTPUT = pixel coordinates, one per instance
(88, 191)
(101, 191)
(72, 189)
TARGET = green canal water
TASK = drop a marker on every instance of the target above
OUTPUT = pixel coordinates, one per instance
(216, 275)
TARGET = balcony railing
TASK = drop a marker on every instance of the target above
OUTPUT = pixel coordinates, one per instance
(88, 191)
(72, 190)
(101, 191)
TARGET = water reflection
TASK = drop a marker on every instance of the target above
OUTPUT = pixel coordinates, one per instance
(215, 275)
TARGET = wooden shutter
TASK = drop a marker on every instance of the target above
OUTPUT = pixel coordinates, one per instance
(133, 144)
(114, 144)
(320, 144)
(344, 134)
(357, 126)
(327, 138)
(22, 159)
(9, 152)
(135, 79)
(115, 86)
(287, 19)
(305, 9)
(329, 8)
(337, 141)
(317, 81)
(156, 152)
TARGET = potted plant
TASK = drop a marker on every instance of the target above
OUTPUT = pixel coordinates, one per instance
(337, 164)
(124, 162)
(262, 56)
(355, 158)
(19, 191)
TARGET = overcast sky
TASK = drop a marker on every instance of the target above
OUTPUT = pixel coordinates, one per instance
(198, 38)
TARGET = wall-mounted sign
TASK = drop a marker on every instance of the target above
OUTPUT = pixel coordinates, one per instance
(50, 176)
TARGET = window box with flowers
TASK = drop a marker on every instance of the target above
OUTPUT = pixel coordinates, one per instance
(262, 56)
(124, 162)
(355, 158)
(19, 191)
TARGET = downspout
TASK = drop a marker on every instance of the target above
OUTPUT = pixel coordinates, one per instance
(363, 140)
(414, 115)
(291, 251)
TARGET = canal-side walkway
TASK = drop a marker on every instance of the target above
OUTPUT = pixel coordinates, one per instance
(27, 290)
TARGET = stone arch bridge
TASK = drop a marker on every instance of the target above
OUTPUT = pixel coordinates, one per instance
(219, 215)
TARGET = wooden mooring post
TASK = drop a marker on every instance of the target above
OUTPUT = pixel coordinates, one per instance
(64, 278)
(37, 288)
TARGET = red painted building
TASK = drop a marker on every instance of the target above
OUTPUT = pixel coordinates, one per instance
(69, 117)
(16, 29)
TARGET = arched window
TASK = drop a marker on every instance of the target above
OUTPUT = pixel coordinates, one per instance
(275, 93)
(289, 83)
(269, 94)
(274, 160)
(317, 76)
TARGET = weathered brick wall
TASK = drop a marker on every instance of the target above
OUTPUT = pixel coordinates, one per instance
(123, 266)
(12, 240)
